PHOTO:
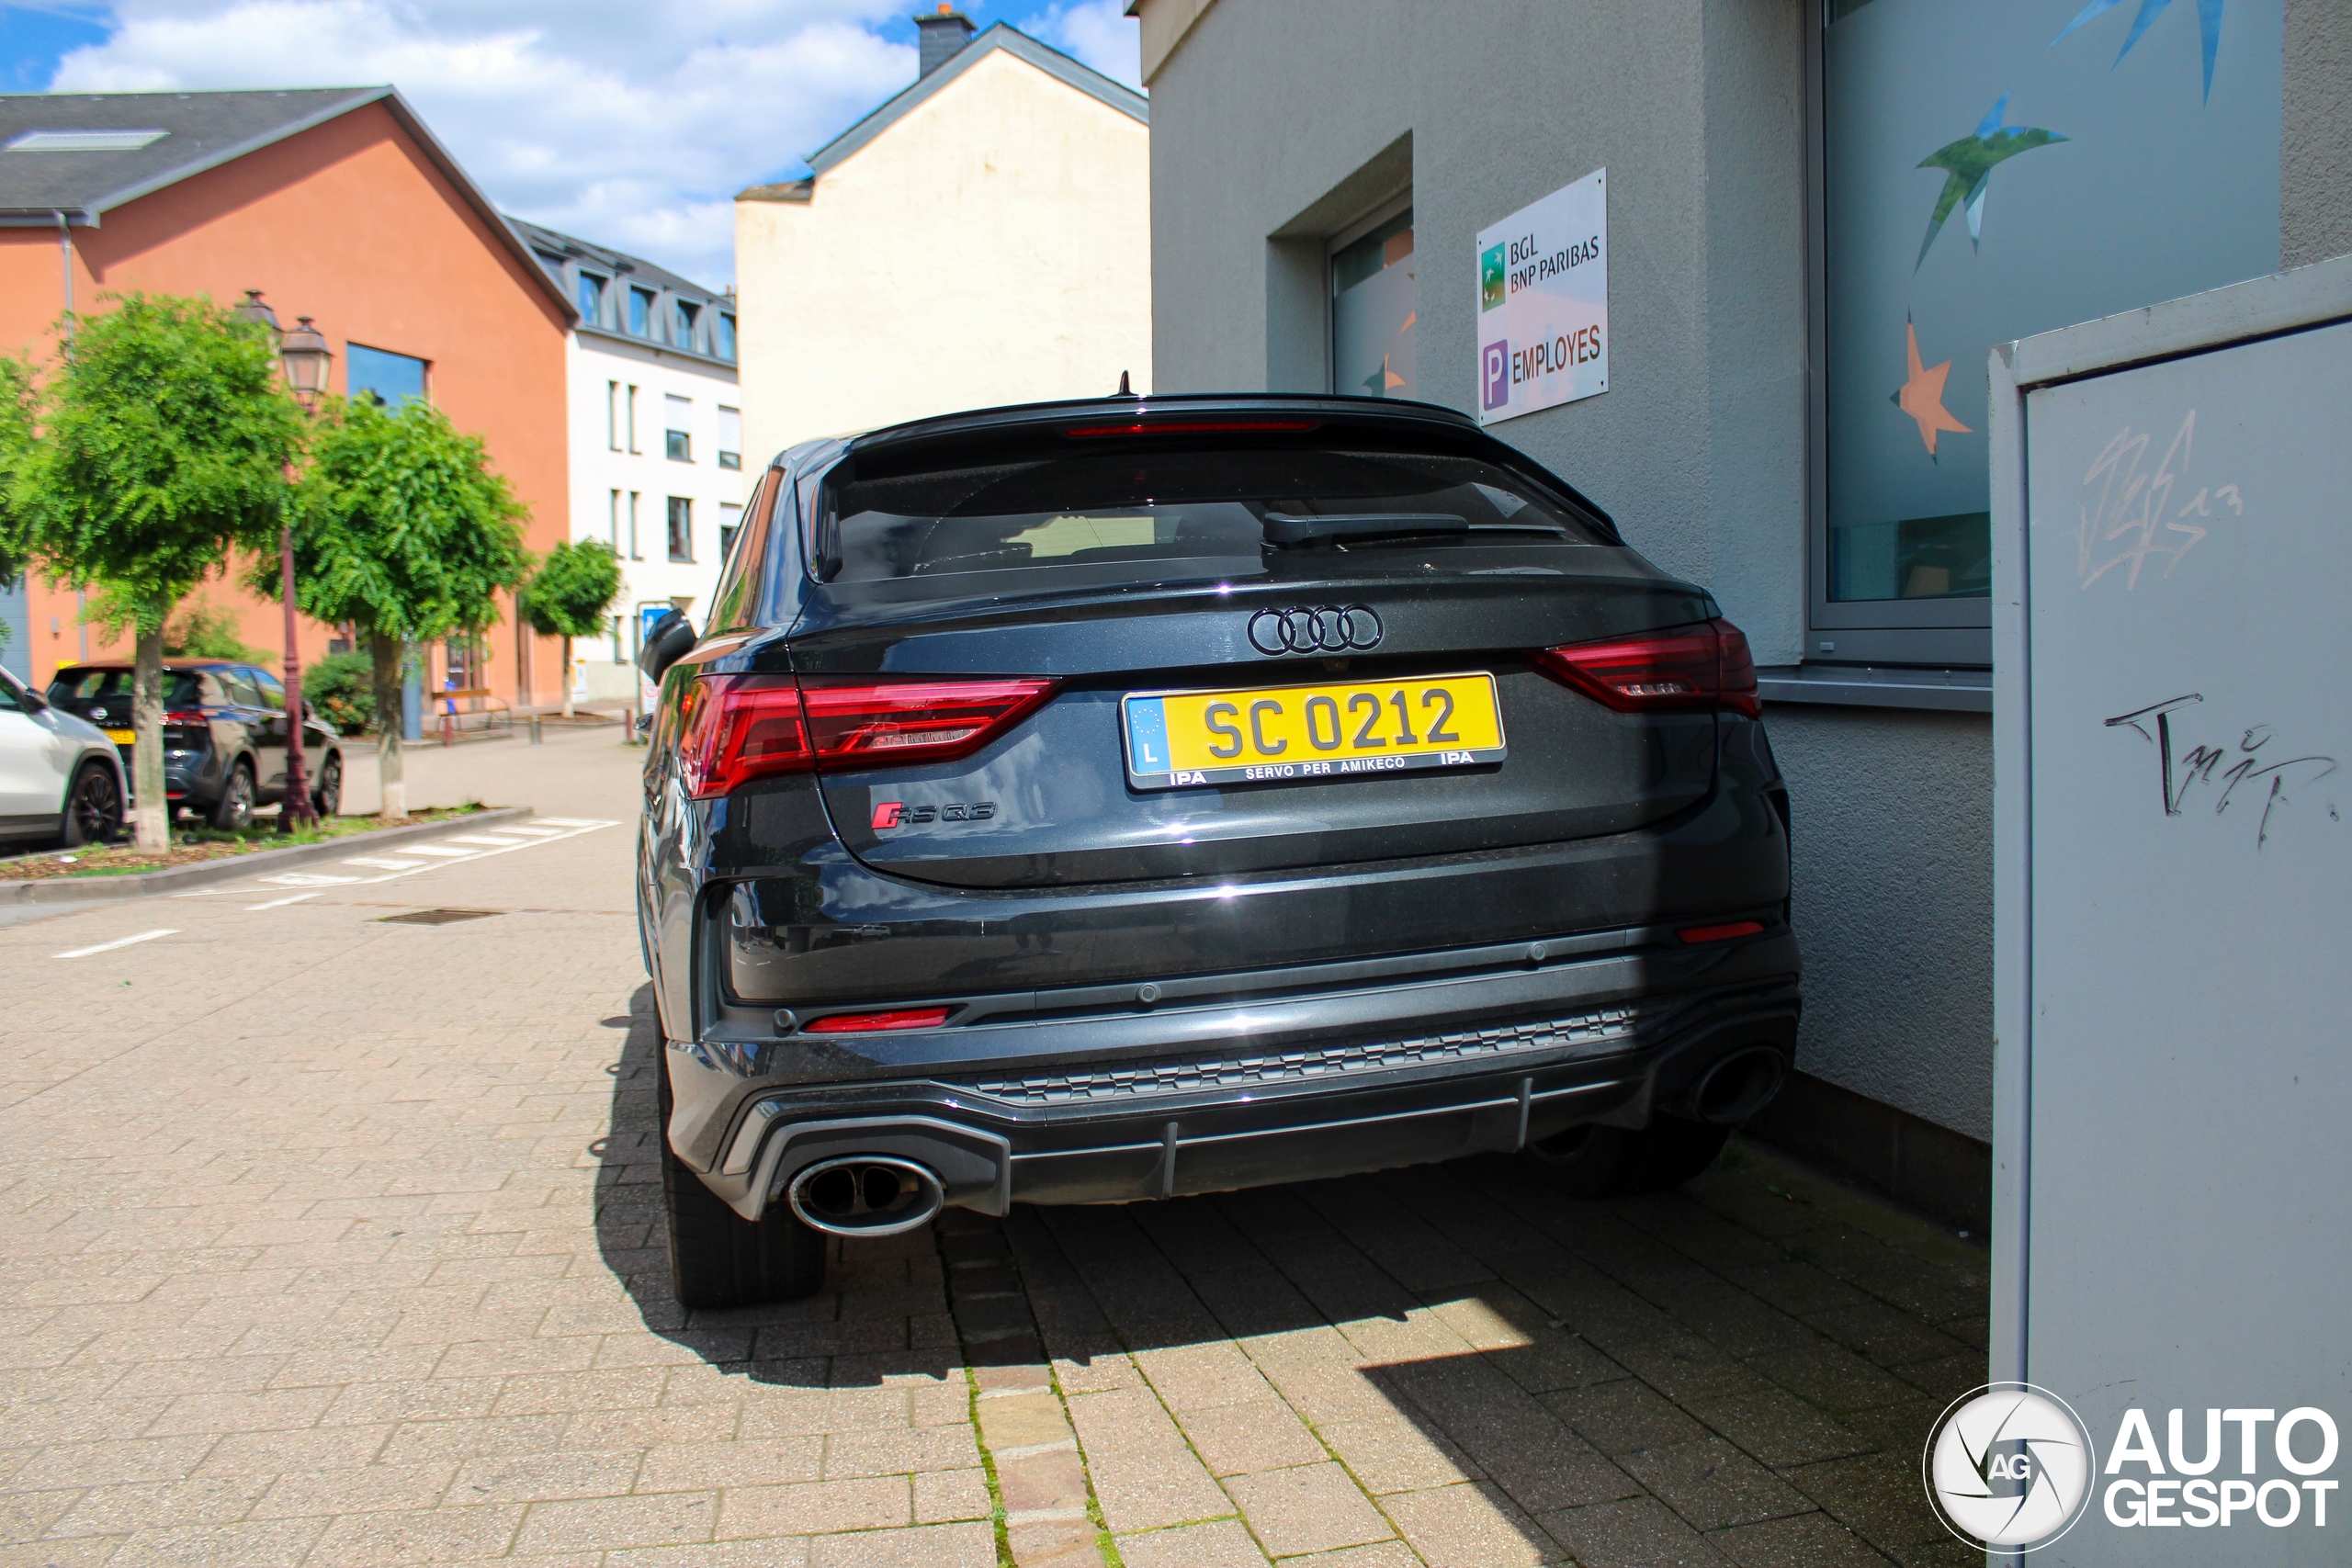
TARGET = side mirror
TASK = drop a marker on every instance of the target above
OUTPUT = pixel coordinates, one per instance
(665, 644)
(34, 702)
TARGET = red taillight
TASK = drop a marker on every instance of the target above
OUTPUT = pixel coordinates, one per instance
(867, 1023)
(737, 727)
(185, 719)
(1695, 934)
(904, 721)
(1703, 667)
(1193, 427)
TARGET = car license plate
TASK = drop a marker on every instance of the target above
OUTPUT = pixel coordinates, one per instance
(1297, 734)
(120, 736)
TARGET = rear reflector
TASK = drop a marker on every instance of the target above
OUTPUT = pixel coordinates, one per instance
(1193, 427)
(1695, 934)
(1704, 667)
(738, 727)
(867, 1023)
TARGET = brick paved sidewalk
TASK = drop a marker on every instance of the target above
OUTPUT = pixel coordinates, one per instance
(331, 1242)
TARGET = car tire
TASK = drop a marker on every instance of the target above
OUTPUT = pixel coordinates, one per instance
(717, 1259)
(234, 812)
(327, 800)
(1617, 1162)
(93, 807)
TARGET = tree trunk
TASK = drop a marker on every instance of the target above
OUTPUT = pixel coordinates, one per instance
(386, 652)
(567, 677)
(152, 816)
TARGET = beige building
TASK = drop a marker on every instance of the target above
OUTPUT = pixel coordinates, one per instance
(983, 237)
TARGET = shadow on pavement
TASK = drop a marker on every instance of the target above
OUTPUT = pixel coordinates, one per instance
(1651, 1380)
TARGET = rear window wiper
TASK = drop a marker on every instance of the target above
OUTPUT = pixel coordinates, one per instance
(1293, 528)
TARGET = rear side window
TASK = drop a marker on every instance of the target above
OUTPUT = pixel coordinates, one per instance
(735, 603)
(181, 687)
(1148, 515)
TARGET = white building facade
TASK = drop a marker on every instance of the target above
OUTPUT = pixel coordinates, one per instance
(655, 434)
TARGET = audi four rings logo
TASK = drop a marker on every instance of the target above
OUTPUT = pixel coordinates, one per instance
(1327, 628)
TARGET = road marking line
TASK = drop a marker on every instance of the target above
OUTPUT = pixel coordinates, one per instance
(495, 843)
(307, 879)
(125, 941)
(280, 903)
(382, 864)
(494, 847)
(573, 822)
(436, 852)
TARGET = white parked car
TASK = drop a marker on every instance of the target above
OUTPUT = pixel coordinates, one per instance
(60, 778)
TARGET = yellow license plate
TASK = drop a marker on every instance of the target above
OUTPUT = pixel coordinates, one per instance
(1297, 734)
(119, 737)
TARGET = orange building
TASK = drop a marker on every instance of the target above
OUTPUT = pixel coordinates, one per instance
(337, 204)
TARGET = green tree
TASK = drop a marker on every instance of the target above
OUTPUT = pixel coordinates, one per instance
(16, 445)
(164, 438)
(568, 596)
(200, 631)
(400, 528)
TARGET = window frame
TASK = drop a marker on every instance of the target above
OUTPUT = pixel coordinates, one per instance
(1942, 633)
(1379, 213)
(677, 503)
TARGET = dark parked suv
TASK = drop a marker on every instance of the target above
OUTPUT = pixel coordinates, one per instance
(1097, 801)
(224, 735)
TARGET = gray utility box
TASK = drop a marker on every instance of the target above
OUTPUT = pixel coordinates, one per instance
(2172, 632)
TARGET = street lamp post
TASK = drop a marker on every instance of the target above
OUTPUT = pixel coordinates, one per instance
(305, 356)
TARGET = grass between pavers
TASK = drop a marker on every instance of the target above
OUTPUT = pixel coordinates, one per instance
(194, 846)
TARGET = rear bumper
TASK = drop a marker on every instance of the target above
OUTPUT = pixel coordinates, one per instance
(1281, 1088)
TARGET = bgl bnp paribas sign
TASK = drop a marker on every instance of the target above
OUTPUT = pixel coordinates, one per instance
(1543, 302)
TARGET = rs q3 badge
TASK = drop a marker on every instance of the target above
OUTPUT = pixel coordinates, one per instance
(899, 814)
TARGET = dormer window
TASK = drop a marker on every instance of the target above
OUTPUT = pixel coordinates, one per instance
(591, 300)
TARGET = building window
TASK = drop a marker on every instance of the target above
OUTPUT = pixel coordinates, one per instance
(1372, 310)
(682, 529)
(613, 415)
(633, 554)
(731, 521)
(640, 312)
(617, 638)
(2011, 183)
(462, 660)
(677, 419)
(722, 335)
(383, 378)
(592, 299)
(632, 419)
(731, 437)
(613, 520)
(684, 321)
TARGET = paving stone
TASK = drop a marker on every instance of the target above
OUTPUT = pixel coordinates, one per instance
(1877, 1496)
(1223, 1543)
(1713, 1484)
(1639, 1532)
(1780, 1429)
(1807, 1541)
(1311, 1507)
(1470, 1525)
(1262, 1435)
(1624, 1415)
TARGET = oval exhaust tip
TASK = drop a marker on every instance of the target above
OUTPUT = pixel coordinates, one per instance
(1738, 1086)
(866, 1195)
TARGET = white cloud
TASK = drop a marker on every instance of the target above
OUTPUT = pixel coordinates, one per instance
(1095, 32)
(628, 123)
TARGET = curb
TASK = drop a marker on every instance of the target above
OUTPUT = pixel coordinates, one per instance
(229, 868)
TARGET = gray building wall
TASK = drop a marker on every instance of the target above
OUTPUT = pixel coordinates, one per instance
(1276, 126)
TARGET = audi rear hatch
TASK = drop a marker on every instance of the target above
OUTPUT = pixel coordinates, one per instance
(1082, 650)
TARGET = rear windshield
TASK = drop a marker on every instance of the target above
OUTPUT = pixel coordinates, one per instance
(1157, 514)
(181, 687)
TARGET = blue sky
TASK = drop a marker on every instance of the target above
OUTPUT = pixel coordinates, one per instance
(631, 122)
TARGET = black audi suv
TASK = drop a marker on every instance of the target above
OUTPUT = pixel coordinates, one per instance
(224, 736)
(1097, 801)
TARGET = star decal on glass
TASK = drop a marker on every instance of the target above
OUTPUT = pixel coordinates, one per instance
(1921, 396)
(1968, 166)
(2209, 28)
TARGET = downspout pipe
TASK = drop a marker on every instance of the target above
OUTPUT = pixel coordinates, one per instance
(65, 265)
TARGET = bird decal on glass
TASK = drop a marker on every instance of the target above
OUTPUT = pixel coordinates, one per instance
(2209, 28)
(1968, 166)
